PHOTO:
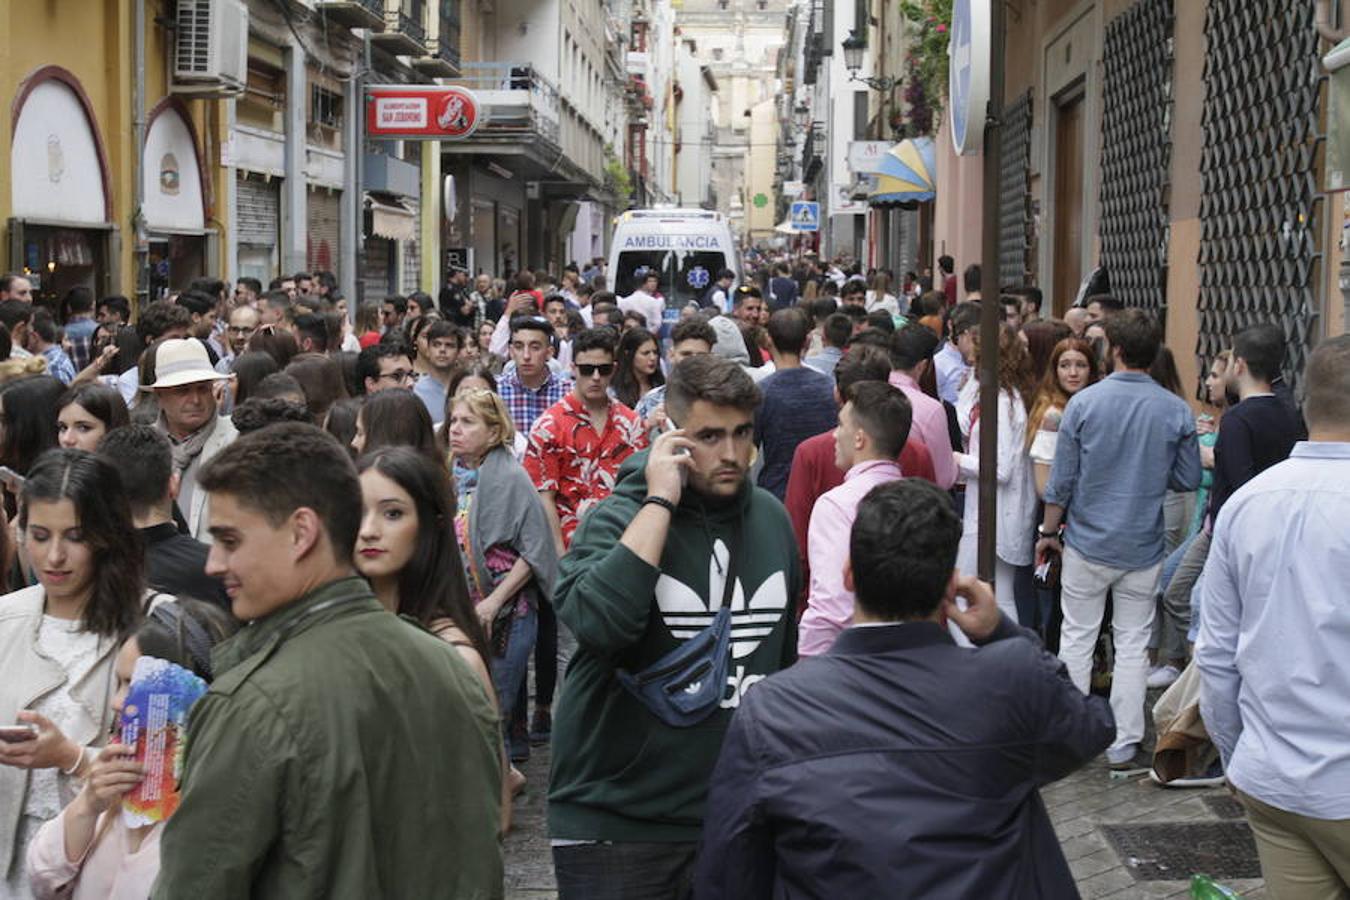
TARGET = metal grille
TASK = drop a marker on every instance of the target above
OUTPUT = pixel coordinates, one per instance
(1260, 212)
(1137, 153)
(258, 207)
(323, 221)
(1014, 202)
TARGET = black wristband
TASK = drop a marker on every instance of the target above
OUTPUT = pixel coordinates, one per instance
(661, 502)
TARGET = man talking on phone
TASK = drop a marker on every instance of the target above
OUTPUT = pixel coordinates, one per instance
(898, 764)
(677, 588)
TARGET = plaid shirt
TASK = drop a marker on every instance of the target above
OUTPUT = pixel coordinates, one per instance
(526, 405)
(59, 364)
(568, 457)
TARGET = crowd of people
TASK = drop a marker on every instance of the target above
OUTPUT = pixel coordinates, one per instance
(735, 542)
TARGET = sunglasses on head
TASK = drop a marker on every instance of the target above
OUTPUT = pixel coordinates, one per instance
(586, 370)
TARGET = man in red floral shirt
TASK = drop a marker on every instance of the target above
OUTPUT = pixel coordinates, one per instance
(576, 446)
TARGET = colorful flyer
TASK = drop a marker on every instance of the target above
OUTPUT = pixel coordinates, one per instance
(154, 721)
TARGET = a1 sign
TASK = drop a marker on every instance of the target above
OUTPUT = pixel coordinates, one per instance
(426, 112)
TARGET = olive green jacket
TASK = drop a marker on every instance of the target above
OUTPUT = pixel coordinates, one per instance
(340, 752)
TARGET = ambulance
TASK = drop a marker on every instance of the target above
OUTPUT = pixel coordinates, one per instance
(687, 248)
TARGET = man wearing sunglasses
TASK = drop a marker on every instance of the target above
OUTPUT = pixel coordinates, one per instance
(576, 446)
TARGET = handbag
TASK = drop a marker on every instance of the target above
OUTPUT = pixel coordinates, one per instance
(686, 685)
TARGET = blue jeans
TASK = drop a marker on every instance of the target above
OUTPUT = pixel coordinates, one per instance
(508, 672)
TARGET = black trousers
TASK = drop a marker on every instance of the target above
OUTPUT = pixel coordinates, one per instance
(627, 871)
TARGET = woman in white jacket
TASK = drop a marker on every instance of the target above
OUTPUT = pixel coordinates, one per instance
(1016, 482)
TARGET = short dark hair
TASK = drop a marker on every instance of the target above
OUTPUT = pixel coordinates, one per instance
(278, 384)
(117, 304)
(883, 411)
(257, 413)
(554, 298)
(15, 312)
(726, 273)
(902, 549)
(1135, 333)
(160, 317)
(946, 264)
(399, 302)
(695, 329)
(526, 322)
(881, 320)
(855, 314)
(872, 337)
(440, 329)
(252, 284)
(789, 329)
(314, 327)
(1262, 348)
(970, 278)
(287, 467)
(853, 286)
(837, 330)
(196, 303)
(143, 456)
(911, 345)
(213, 288)
(745, 292)
(602, 338)
(302, 276)
(278, 300)
(822, 308)
(1030, 293)
(44, 325)
(1108, 302)
(859, 364)
(79, 300)
(1328, 381)
(712, 379)
(368, 360)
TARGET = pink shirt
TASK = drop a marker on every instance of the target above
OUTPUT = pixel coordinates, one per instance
(109, 870)
(930, 427)
(830, 605)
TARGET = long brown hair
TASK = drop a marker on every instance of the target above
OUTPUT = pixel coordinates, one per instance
(1014, 365)
(1050, 394)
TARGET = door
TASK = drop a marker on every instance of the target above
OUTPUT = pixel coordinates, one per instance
(1068, 237)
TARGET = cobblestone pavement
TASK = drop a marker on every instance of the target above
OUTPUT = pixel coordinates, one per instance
(1079, 806)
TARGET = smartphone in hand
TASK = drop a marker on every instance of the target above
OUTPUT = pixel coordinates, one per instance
(18, 734)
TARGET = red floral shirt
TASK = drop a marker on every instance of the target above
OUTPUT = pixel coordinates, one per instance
(568, 457)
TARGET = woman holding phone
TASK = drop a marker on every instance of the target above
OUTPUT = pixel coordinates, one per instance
(88, 851)
(58, 639)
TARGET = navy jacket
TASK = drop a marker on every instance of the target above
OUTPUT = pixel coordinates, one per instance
(900, 765)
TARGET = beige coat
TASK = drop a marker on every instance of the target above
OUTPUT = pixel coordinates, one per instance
(28, 677)
(199, 516)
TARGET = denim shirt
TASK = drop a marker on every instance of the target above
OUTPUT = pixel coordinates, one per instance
(1123, 443)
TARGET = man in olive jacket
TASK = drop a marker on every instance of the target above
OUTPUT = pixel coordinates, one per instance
(340, 751)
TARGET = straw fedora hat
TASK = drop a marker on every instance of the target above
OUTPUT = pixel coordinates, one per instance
(181, 361)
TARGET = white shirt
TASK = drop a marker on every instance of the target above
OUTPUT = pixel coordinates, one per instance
(653, 309)
(1275, 634)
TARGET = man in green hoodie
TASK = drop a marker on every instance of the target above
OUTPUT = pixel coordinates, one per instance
(683, 535)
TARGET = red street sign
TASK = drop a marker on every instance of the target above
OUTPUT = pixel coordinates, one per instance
(426, 112)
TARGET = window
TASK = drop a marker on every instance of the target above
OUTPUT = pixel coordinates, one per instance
(325, 107)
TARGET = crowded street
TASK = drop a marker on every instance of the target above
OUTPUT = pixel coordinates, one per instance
(675, 450)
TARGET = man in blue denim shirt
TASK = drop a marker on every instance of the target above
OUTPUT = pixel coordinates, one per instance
(1122, 443)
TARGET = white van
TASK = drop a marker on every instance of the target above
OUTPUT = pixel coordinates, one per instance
(686, 247)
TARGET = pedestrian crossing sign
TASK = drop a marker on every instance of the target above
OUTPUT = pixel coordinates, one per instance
(805, 216)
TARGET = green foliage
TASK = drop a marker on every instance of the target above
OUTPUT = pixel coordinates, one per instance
(617, 178)
(930, 24)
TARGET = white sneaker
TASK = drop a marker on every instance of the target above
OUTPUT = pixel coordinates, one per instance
(1163, 676)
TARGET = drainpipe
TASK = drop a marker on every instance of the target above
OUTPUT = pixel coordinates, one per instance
(139, 247)
(1323, 18)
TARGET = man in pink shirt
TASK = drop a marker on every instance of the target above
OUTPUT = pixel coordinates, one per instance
(911, 350)
(873, 426)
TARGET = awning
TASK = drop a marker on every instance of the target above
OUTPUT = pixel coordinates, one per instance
(391, 219)
(907, 174)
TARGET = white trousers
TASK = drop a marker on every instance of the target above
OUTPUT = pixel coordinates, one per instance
(1084, 585)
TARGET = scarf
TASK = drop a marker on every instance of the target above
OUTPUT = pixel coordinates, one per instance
(190, 447)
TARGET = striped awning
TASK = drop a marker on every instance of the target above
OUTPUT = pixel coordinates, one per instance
(906, 174)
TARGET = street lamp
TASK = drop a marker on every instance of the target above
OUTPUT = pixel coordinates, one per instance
(854, 47)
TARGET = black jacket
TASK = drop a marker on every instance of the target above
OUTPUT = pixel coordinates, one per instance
(900, 765)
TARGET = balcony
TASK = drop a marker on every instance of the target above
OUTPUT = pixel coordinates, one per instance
(518, 104)
(353, 13)
(638, 63)
(442, 59)
(404, 34)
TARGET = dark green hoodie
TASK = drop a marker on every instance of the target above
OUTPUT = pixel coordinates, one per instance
(619, 773)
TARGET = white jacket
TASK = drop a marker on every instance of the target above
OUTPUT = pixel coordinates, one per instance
(1016, 489)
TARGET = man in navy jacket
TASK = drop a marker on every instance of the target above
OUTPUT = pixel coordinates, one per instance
(899, 764)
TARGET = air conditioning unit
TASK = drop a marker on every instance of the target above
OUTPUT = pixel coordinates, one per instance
(210, 56)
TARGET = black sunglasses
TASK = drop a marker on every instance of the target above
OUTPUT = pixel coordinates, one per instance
(586, 370)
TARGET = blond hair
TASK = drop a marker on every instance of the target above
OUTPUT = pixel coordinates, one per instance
(488, 406)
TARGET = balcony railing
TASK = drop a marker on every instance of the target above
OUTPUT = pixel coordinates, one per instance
(518, 102)
(354, 13)
(442, 59)
(404, 34)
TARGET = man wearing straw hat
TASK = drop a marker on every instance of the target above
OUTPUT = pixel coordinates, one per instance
(185, 387)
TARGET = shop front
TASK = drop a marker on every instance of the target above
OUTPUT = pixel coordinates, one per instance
(61, 231)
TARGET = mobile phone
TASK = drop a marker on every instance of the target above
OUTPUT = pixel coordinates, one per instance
(679, 451)
(18, 734)
(11, 478)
